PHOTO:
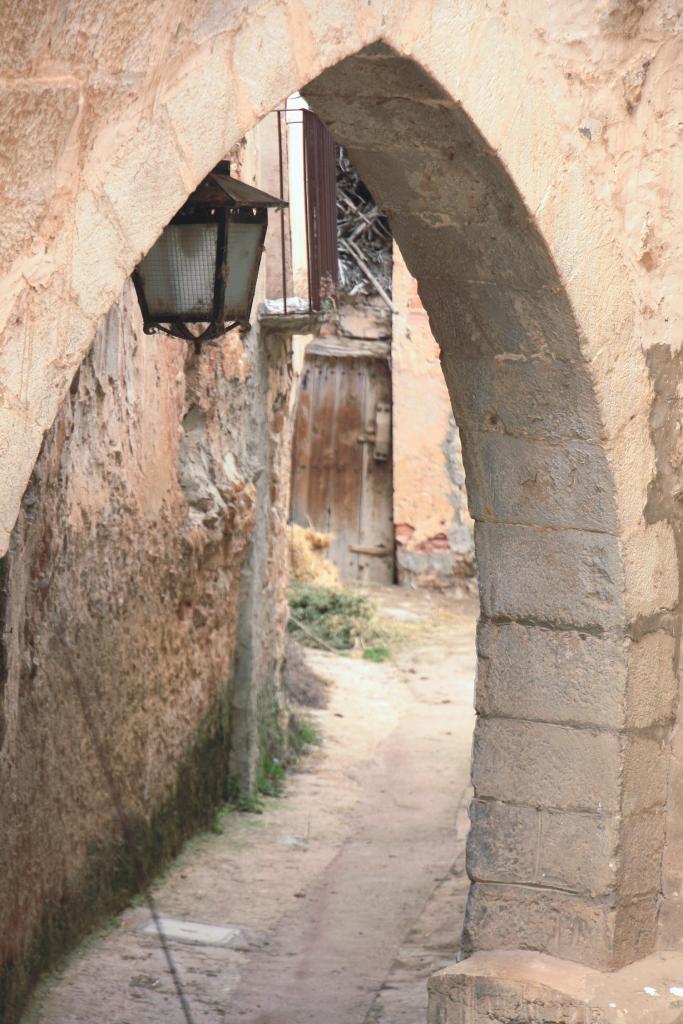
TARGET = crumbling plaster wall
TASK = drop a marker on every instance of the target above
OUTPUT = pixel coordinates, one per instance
(433, 528)
(145, 581)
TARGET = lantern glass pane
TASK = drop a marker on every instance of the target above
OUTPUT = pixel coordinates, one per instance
(244, 241)
(178, 273)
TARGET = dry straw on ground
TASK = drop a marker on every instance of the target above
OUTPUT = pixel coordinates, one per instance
(307, 560)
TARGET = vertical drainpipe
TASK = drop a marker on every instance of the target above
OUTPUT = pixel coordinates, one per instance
(297, 196)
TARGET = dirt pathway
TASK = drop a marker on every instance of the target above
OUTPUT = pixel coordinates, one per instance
(337, 903)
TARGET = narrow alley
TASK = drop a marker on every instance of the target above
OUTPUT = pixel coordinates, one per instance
(339, 900)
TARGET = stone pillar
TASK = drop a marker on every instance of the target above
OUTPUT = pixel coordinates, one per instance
(569, 764)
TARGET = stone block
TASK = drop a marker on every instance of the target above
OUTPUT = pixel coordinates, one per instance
(377, 71)
(112, 41)
(643, 838)
(560, 676)
(559, 577)
(562, 484)
(650, 569)
(573, 927)
(480, 318)
(578, 852)
(99, 263)
(646, 765)
(523, 917)
(670, 924)
(632, 454)
(424, 122)
(264, 62)
(502, 844)
(635, 930)
(485, 989)
(651, 688)
(501, 300)
(547, 765)
(557, 849)
(535, 398)
(204, 131)
(512, 986)
(24, 33)
(339, 21)
(154, 189)
(44, 342)
(36, 123)
(434, 248)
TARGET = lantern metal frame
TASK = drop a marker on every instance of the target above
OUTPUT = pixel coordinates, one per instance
(222, 201)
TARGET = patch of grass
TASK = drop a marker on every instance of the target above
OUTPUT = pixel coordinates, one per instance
(271, 775)
(283, 737)
(332, 617)
(249, 805)
(244, 803)
(219, 815)
(302, 734)
(236, 800)
(376, 653)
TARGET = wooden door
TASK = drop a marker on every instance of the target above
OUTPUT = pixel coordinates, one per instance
(342, 465)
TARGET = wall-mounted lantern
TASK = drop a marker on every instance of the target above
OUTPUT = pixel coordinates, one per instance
(203, 268)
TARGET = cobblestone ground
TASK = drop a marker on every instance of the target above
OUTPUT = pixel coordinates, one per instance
(338, 901)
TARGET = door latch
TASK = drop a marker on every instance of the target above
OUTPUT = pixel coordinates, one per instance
(380, 437)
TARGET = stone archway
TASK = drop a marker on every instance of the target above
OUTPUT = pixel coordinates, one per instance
(565, 828)
(537, 331)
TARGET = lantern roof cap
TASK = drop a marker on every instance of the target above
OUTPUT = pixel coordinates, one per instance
(244, 195)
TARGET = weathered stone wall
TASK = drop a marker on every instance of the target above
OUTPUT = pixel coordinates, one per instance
(144, 581)
(527, 156)
(434, 531)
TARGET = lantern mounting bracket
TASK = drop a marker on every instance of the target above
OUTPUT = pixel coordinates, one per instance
(207, 336)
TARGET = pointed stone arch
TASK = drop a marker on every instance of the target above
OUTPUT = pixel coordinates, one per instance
(565, 827)
(575, 687)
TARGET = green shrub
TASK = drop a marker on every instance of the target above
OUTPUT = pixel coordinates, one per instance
(333, 617)
(376, 653)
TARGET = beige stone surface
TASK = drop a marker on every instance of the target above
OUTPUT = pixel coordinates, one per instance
(573, 678)
(518, 843)
(569, 926)
(542, 221)
(547, 765)
(517, 985)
